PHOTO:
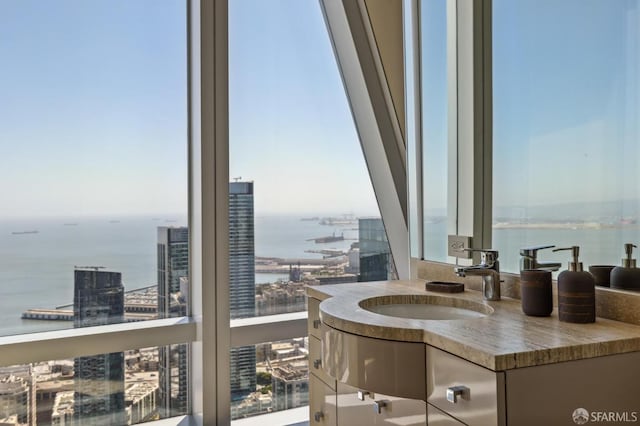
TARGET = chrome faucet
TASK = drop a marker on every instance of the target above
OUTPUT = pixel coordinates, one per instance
(529, 260)
(488, 269)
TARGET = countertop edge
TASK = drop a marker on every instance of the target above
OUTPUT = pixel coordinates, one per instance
(466, 350)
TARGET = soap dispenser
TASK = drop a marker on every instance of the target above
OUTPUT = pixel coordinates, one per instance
(627, 276)
(576, 292)
(536, 294)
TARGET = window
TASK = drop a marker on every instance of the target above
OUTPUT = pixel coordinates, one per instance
(94, 118)
(117, 176)
(433, 38)
(93, 223)
(114, 388)
(301, 205)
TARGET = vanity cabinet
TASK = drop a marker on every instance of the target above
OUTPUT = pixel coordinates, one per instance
(322, 387)
(545, 370)
(322, 403)
(466, 391)
(347, 401)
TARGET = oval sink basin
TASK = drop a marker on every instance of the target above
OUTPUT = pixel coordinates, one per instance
(426, 307)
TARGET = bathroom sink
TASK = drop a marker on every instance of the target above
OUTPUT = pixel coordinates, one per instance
(425, 307)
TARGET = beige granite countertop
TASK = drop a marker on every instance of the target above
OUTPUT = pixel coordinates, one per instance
(502, 340)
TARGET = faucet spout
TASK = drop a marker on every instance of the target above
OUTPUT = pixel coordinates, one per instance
(489, 270)
(478, 270)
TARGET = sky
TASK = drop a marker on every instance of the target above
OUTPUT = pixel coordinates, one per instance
(93, 116)
(92, 107)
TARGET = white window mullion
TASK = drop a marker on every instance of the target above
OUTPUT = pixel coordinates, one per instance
(470, 119)
(413, 108)
(209, 200)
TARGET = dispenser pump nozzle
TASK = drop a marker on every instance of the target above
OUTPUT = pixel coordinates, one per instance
(629, 262)
(575, 265)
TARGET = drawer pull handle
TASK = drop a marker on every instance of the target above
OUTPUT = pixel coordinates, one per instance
(317, 416)
(379, 405)
(316, 323)
(363, 394)
(457, 391)
(317, 363)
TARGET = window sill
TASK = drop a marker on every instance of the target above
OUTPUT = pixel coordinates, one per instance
(71, 343)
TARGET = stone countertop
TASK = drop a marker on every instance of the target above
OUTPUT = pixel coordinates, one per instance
(503, 340)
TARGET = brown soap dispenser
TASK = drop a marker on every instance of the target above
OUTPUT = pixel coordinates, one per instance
(576, 292)
(627, 276)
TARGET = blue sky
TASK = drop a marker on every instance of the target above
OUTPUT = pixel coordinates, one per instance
(93, 106)
(291, 129)
(93, 109)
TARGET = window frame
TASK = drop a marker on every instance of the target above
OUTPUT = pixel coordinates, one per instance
(208, 328)
(470, 124)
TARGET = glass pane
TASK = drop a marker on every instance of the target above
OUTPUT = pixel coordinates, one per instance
(566, 113)
(433, 38)
(120, 388)
(300, 188)
(94, 136)
(278, 373)
(302, 209)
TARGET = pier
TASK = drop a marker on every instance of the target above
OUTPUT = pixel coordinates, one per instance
(67, 315)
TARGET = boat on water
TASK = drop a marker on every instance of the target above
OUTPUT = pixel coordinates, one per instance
(330, 239)
(24, 232)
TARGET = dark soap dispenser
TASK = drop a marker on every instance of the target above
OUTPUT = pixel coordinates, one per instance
(576, 292)
(536, 294)
(627, 276)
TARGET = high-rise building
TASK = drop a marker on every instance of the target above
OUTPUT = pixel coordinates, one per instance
(290, 385)
(376, 263)
(242, 282)
(173, 264)
(173, 275)
(12, 381)
(14, 399)
(98, 379)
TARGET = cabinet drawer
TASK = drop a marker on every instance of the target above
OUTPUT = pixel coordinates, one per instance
(384, 366)
(368, 409)
(322, 403)
(465, 390)
(437, 417)
(315, 362)
(313, 317)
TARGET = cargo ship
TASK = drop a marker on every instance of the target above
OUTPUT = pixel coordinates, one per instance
(330, 239)
(24, 232)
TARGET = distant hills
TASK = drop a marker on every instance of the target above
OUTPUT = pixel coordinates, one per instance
(603, 212)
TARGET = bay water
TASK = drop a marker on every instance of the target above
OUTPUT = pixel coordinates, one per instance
(36, 268)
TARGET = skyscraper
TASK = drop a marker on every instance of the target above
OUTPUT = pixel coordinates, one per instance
(98, 379)
(242, 282)
(173, 268)
(173, 264)
(376, 262)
